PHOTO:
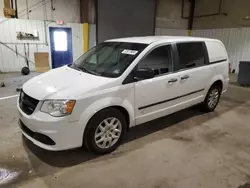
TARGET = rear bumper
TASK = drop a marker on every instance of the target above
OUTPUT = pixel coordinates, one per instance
(225, 85)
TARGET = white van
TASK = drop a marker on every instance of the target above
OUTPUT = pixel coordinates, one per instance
(118, 84)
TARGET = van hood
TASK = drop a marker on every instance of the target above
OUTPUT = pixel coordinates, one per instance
(64, 83)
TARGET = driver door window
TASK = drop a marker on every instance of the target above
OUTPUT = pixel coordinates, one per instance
(159, 60)
(155, 97)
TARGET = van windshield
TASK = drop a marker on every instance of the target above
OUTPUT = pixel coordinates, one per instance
(109, 59)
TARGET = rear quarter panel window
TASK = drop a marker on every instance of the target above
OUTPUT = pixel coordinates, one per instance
(216, 51)
(191, 54)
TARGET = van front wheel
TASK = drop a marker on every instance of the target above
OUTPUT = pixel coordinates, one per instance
(212, 98)
(105, 130)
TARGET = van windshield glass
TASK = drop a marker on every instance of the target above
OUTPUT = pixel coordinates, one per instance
(109, 59)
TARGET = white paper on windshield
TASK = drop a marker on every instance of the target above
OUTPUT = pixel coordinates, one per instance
(129, 52)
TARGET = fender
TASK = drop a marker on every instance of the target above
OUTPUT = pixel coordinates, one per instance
(214, 79)
(103, 103)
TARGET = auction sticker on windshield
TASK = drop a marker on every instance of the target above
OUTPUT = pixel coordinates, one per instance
(129, 52)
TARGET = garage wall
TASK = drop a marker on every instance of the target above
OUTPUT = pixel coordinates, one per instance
(11, 58)
(236, 40)
(232, 29)
(168, 14)
(171, 32)
(119, 18)
(235, 10)
(68, 11)
(92, 35)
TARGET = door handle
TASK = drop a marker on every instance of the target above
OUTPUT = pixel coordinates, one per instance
(185, 77)
(172, 80)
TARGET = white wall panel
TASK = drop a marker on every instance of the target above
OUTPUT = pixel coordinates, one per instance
(12, 26)
(171, 32)
(9, 61)
(236, 41)
(68, 11)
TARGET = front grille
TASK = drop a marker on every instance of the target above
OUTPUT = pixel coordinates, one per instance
(37, 136)
(27, 103)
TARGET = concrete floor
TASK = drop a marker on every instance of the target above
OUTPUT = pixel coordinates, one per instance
(186, 149)
(13, 81)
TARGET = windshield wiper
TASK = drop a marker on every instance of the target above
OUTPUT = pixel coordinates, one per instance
(89, 71)
(75, 67)
(84, 70)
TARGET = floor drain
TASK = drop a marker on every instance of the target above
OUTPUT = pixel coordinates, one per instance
(6, 175)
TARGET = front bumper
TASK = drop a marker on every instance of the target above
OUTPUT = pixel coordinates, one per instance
(37, 136)
(51, 133)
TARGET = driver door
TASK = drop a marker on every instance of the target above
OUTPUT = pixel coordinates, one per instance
(154, 97)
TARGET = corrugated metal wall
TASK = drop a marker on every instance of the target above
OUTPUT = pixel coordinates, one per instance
(236, 40)
(10, 60)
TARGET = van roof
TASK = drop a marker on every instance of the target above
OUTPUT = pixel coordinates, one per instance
(151, 39)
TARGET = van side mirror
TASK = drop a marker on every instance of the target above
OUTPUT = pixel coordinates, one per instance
(143, 73)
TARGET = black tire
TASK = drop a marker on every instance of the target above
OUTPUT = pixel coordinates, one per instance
(89, 133)
(25, 71)
(205, 105)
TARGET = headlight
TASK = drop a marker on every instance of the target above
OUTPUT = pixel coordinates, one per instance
(58, 108)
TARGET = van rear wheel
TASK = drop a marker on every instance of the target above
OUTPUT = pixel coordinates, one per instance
(212, 99)
(104, 131)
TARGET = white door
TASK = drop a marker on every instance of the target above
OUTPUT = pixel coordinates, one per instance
(154, 97)
(194, 73)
